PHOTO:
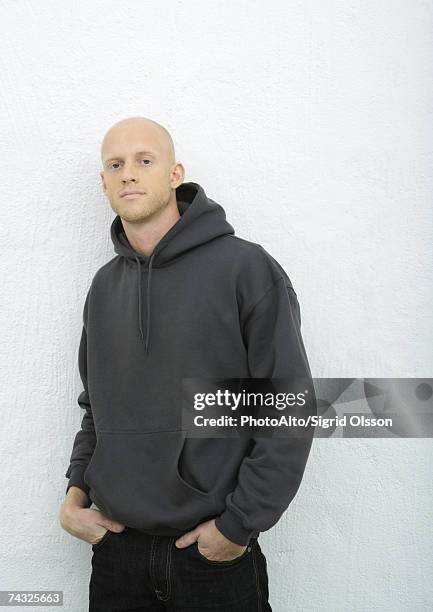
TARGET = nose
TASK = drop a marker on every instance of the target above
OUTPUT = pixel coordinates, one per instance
(128, 175)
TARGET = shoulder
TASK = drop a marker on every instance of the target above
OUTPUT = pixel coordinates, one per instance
(104, 273)
(251, 259)
(257, 273)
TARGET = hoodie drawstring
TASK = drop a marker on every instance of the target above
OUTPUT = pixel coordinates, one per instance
(148, 300)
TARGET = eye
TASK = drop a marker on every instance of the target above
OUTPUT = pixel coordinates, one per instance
(111, 166)
(145, 160)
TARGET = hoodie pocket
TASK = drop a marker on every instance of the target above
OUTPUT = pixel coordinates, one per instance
(134, 478)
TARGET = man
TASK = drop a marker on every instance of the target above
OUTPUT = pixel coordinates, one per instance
(178, 517)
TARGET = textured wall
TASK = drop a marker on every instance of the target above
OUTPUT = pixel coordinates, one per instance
(311, 123)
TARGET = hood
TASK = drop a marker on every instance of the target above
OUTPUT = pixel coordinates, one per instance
(201, 220)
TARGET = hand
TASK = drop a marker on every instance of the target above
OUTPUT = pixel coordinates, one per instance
(86, 524)
(211, 543)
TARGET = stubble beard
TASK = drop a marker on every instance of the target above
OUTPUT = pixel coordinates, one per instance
(136, 212)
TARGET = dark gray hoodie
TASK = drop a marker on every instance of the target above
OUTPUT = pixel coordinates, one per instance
(205, 303)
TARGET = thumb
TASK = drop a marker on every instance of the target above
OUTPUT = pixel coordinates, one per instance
(187, 539)
(113, 525)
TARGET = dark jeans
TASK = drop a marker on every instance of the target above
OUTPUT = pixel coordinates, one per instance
(133, 571)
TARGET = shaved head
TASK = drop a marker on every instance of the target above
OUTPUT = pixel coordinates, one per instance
(145, 126)
(138, 156)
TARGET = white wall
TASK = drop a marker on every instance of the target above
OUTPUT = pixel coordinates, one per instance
(311, 123)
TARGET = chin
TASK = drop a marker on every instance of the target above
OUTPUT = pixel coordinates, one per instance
(134, 214)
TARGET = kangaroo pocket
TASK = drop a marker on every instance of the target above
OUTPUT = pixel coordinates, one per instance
(134, 478)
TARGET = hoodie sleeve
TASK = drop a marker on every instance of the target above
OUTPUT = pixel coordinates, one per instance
(270, 476)
(85, 438)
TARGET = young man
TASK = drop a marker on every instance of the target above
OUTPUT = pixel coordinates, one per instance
(178, 517)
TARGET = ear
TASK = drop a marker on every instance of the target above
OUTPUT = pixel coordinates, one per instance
(177, 175)
(104, 186)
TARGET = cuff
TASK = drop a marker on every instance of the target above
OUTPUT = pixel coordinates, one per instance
(231, 527)
(76, 478)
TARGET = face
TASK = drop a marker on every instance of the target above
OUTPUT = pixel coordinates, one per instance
(137, 157)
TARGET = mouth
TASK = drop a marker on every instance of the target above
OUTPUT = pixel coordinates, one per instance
(132, 195)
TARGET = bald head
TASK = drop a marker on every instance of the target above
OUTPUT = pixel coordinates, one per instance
(144, 128)
(140, 173)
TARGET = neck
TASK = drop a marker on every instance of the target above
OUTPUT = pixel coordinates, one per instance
(143, 236)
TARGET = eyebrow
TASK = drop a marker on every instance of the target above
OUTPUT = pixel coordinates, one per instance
(148, 152)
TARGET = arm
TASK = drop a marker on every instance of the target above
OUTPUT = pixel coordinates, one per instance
(85, 439)
(270, 476)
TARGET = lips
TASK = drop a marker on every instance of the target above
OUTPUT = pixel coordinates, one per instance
(132, 195)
